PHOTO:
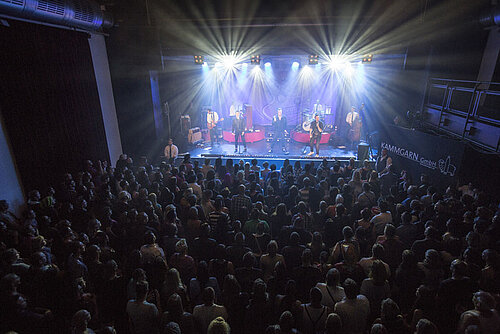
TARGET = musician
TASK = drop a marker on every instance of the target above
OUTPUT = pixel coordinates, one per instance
(352, 116)
(279, 127)
(317, 107)
(315, 134)
(212, 120)
(171, 151)
(239, 127)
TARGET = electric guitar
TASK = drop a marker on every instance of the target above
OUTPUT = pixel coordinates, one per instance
(211, 125)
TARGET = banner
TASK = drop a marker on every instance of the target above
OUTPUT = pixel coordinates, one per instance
(421, 153)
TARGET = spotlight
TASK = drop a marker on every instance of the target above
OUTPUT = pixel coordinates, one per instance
(199, 60)
(255, 60)
(336, 62)
(367, 59)
(313, 59)
(295, 65)
(267, 64)
(229, 61)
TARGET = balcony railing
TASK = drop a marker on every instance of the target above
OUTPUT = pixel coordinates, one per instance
(468, 110)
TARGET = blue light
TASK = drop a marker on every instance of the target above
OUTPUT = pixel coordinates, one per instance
(267, 64)
(295, 65)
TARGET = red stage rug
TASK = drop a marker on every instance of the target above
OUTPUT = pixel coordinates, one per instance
(303, 137)
(250, 137)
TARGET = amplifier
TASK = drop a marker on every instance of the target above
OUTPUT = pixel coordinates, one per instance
(194, 135)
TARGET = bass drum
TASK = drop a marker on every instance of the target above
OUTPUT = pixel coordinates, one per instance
(306, 126)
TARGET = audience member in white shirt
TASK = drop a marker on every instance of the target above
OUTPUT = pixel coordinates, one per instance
(171, 151)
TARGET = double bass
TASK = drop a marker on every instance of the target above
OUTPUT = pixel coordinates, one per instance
(355, 131)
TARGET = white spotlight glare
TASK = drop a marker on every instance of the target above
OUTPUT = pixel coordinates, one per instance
(295, 64)
(229, 61)
(348, 69)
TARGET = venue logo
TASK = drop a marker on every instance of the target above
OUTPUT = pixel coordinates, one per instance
(445, 166)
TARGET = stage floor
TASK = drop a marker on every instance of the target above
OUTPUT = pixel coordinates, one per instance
(260, 149)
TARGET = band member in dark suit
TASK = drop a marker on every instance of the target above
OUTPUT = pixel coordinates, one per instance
(239, 125)
(212, 120)
(315, 134)
(279, 127)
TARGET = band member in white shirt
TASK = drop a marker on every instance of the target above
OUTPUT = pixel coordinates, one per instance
(315, 134)
(317, 107)
(212, 120)
(171, 151)
(352, 116)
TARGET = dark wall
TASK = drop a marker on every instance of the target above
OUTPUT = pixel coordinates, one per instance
(132, 54)
(482, 169)
(49, 101)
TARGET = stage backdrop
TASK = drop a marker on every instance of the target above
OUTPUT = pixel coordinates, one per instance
(417, 152)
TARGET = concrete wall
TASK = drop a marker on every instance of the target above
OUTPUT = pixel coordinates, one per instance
(103, 78)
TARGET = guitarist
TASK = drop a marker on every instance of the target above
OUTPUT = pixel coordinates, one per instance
(239, 125)
(212, 120)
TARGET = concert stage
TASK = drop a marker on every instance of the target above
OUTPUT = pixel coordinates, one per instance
(259, 151)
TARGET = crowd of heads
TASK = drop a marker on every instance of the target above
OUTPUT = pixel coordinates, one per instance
(235, 247)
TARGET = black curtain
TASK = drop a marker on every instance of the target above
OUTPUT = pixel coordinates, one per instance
(49, 102)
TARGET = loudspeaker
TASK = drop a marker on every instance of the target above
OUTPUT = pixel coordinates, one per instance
(363, 150)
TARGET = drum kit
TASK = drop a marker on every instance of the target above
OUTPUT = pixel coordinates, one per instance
(308, 117)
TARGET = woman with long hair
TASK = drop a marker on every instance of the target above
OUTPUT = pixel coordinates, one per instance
(278, 219)
(356, 184)
(175, 312)
(173, 285)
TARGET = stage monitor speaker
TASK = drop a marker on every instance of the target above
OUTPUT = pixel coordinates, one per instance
(194, 135)
(363, 150)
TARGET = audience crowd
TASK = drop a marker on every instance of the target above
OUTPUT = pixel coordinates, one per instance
(242, 248)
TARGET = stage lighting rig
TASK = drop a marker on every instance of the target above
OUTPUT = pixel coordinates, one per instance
(367, 59)
(313, 59)
(255, 60)
(200, 60)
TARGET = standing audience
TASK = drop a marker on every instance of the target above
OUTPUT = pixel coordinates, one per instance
(237, 248)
